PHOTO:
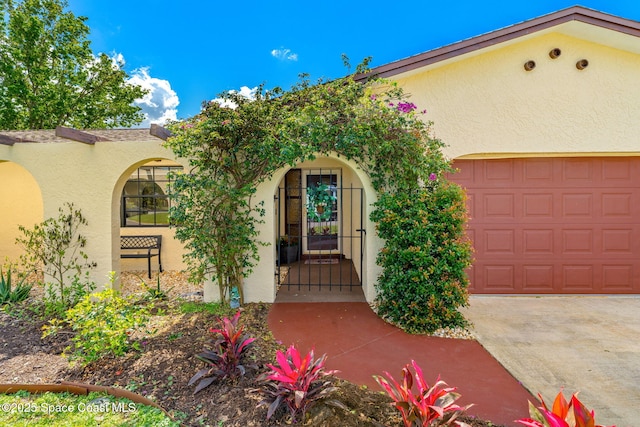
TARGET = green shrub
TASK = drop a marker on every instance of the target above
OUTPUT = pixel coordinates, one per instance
(58, 300)
(424, 258)
(56, 248)
(103, 323)
(10, 292)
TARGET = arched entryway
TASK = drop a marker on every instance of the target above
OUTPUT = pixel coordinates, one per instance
(320, 233)
(140, 207)
(261, 282)
(22, 198)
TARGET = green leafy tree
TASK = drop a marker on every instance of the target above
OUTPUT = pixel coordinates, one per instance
(230, 150)
(49, 75)
(234, 146)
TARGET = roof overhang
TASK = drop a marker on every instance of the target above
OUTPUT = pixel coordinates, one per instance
(577, 21)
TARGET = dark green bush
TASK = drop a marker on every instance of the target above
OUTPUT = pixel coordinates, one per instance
(423, 282)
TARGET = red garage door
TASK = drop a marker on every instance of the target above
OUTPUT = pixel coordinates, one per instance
(554, 225)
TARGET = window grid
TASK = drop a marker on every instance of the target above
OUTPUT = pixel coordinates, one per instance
(145, 197)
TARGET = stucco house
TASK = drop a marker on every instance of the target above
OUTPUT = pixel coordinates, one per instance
(541, 118)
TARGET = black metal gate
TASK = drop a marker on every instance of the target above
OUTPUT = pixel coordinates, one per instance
(319, 232)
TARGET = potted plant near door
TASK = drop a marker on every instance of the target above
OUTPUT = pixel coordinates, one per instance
(288, 250)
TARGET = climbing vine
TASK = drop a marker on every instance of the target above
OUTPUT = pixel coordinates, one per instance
(236, 143)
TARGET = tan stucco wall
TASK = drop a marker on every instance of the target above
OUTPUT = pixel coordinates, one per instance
(21, 205)
(488, 104)
(91, 177)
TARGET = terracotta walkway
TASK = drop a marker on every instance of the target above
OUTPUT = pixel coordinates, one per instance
(360, 344)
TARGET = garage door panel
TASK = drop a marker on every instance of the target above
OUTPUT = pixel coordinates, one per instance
(500, 172)
(499, 242)
(577, 205)
(578, 278)
(537, 205)
(538, 278)
(538, 242)
(617, 242)
(618, 170)
(538, 172)
(577, 242)
(578, 170)
(617, 205)
(499, 206)
(560, 226)
(617, 278)
(499, 278)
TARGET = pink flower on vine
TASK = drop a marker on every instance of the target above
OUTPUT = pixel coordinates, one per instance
(373, 97)
(406, 107)
(433, 176)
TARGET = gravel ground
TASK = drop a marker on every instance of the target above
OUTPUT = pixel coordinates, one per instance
(176, 285)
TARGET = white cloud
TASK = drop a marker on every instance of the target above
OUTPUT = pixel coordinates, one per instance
(245, 91)
(284, 54)
(118, 60)
(160, 104)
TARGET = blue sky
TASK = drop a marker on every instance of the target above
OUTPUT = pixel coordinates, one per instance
(189, 51)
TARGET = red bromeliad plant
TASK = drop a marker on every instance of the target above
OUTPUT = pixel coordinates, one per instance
(562, 414)
(432, 406)
(225, 359)
(297, 383)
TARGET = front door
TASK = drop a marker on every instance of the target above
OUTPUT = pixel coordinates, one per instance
(321, 218)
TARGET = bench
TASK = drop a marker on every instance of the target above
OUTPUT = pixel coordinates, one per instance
(152, 246)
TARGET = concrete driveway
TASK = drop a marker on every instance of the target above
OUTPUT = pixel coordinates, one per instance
(589, 344)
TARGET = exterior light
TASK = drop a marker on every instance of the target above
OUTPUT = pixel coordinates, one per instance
(554, 53)
(529, 65)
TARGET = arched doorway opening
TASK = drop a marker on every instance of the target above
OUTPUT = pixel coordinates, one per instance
(320, 233)
(140, 207)
(21, 192)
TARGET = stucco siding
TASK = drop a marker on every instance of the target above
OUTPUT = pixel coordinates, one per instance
(489, 104)
(21, 199)
(91, 177)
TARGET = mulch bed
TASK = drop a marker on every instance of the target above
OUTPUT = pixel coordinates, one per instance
(163, 368)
